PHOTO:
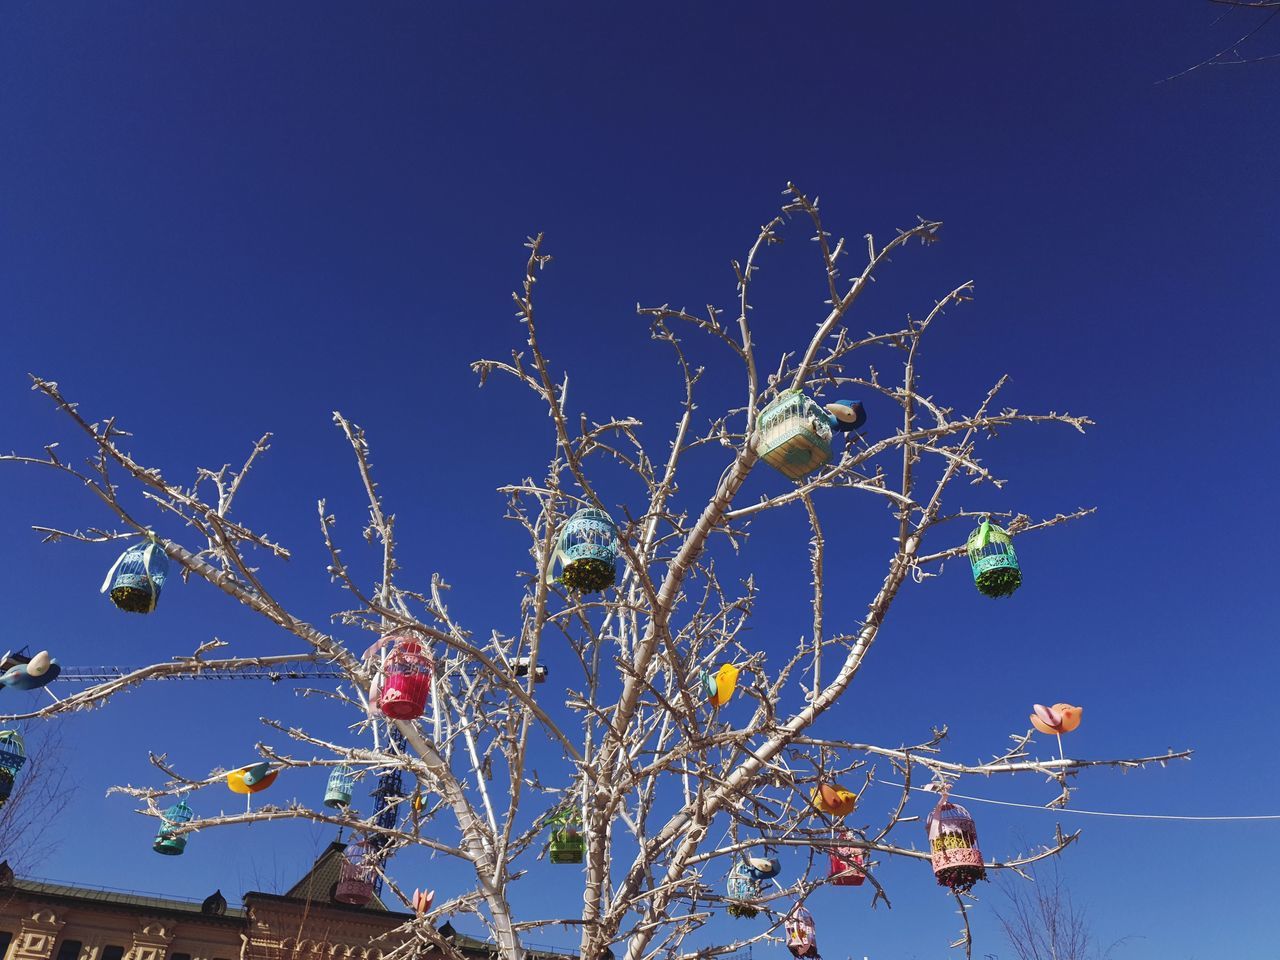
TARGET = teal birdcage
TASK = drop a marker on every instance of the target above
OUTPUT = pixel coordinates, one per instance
(588, 551)
(567, 842)
(745, 887)
(795, 435)
(995, 565)
(166, 842)
(137, 577)
(13, 754)
(337, 792)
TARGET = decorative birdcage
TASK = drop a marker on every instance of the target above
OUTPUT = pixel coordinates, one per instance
(847, 863)
(953, 843)
(137, 577)
(337, 792)
(567, 843)
(744, 890)
(995, 565)
(166, 842)
(834, 800)
(802, 935)
(588, 551)
(13, 754)
(356, 874)
(406, 679)
(795, 435)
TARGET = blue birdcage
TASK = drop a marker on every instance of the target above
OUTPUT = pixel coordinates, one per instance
(794, 435)
(991, 556)
(175, 816)
(13, 754)
(588, 551)
(744, 889)
(136, 579)
(338, 791)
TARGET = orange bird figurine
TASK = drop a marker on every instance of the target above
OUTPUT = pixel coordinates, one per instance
(1059, 719)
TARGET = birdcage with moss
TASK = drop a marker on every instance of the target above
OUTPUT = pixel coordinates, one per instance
(993, 560)
(13, 754)
(136, 578)
(847, 863)
(588, 551)
(167, 841)
(337, 793)
(794, 435)
(567, 843)
(953, 846)
(744, 890)
(356, 874)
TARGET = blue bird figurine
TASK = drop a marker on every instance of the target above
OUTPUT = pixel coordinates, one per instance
(846, 415)
(21, 672)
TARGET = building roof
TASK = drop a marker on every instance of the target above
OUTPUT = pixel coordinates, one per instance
(317, 884)
(145, 902)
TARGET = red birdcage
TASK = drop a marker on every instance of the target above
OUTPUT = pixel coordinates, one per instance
(405, 684)
(953, 843)
(847, 864)
(356, 875)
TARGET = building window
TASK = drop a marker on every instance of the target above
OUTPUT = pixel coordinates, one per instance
(112, 953)
(6, 938)
(179, 956)
(70, 950)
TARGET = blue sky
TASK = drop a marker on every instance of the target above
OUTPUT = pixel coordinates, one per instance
(224, 219)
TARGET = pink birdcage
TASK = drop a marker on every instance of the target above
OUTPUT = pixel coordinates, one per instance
(953, 843)
(356, 875)
(847, 864)
(405, 683)
(802, 935)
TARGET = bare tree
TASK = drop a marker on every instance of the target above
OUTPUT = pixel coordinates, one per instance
(670, 791)
(29, 819)
(1042, 921)
(1248, 21)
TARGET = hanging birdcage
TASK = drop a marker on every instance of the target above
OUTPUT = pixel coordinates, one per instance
(847, 863)
(406, 677)
(953, 844)
(802, 935)
(567, 843)
(588, 551)
(13, 754)
(337, 792)
(137, 577)
(795, 435)
(356, 874)
(744, 889)
(995, 565)
(175, 816)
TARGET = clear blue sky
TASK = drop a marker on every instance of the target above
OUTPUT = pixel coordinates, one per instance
(221, 219)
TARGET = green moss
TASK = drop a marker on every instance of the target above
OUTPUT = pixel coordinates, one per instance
(588, 575)
(1000, 582)
(132, 599)
(961, 878)
(742, 910)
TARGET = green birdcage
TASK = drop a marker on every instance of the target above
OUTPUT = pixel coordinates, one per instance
(995, 564)
(13, 754)
(567, 842)
(166, 842)
(795, 435)
(337, 792)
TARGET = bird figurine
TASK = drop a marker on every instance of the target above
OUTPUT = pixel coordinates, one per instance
(846, 416)
(763, 868)
(1058, 719)
(719, 686)
(252, 779)
(834, 800)
(21, 672)
(422, 900)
